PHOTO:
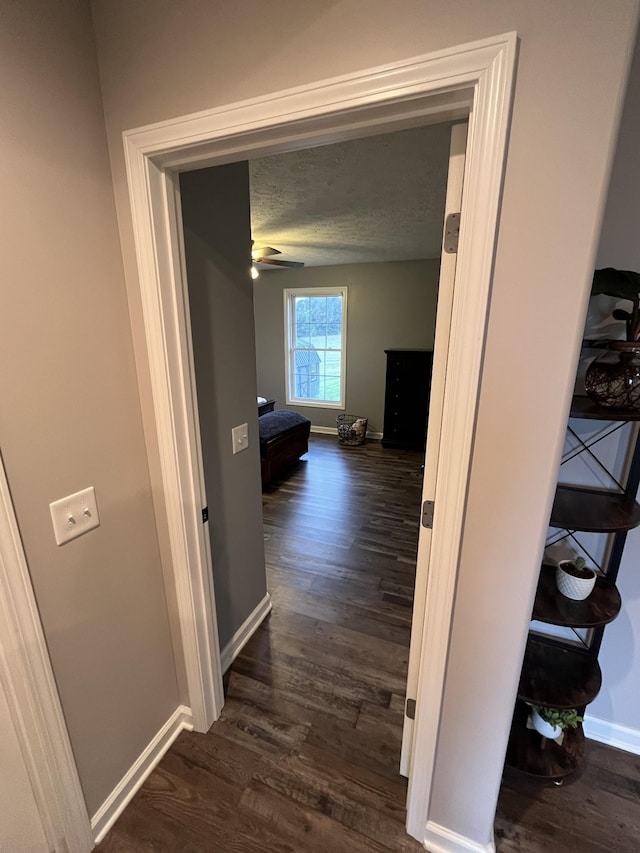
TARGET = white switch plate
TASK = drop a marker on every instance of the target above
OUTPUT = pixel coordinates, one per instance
(240, 438)
(74, 515)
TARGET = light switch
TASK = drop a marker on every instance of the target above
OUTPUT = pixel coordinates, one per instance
(240, 438)
(74, 515)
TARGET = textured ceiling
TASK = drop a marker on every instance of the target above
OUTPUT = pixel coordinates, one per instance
(380, 198)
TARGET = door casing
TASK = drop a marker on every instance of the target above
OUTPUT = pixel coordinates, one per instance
(474, 81)
(27, 679)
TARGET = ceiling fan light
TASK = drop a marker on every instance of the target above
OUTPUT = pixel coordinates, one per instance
(254, 272)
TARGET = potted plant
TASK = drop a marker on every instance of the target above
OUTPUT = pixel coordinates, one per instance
(613, 378)
(574, 580)
(549, 722)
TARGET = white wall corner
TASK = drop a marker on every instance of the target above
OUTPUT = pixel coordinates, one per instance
(439, 839)
(612, 734)
(131, 782)
(244, 633)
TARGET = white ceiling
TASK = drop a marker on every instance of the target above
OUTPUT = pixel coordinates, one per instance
(380, 198)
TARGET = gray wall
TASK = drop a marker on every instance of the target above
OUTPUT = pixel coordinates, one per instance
(70, 411)
(215, 208)
(388, 305)
(160, 59)
(620, 247)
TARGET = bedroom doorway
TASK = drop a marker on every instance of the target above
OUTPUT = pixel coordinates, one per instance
(482, 81)
(392, 305)
(342, 531)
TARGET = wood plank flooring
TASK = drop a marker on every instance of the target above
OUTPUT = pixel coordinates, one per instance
(305, 756)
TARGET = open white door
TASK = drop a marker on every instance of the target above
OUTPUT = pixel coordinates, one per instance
(440, 354)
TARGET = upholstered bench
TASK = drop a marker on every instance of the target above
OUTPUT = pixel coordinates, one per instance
(284, 438)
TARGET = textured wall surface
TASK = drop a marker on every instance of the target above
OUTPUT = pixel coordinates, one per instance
(388, 305)
(70, 413)
(160, 59)
(215, 209)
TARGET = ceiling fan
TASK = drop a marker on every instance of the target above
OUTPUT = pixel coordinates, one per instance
(264, 255)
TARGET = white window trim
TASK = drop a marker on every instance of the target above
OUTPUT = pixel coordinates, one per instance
(288, 337)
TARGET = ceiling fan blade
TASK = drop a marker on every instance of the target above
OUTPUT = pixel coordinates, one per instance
(276, 263)
(264, 252)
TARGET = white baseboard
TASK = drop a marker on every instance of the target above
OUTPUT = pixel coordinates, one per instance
(439, 839)
(321, 430)
(118, 799)
(244, 633)
(612, 734)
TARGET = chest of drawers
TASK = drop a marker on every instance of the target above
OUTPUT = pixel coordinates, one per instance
(406, 401)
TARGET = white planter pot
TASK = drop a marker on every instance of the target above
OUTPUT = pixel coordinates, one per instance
(576, 588)
(543, 727)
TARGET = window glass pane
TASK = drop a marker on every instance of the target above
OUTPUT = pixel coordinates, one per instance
(334, 335)
(332, 363)
(318, 334)
(318, 309)
(315, 340)
(303, 335)
(302, 386)
(301, 309)
(334, 309)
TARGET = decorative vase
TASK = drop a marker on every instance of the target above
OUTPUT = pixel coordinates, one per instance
(574, 583)
(543, 727)
(612, 380)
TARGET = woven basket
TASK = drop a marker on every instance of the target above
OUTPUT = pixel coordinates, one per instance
(352, 430)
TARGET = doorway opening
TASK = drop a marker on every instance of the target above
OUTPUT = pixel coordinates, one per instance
(440, 87)
(340, 536)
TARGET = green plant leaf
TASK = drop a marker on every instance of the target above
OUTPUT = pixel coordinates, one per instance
(564, 718)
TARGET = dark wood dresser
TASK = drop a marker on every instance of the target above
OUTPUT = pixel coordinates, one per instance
(406, 401)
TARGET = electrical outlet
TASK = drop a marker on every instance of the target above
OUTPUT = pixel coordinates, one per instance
(240, 438)
(74, 515)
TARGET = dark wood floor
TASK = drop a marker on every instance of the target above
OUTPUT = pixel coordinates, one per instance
(305, 755)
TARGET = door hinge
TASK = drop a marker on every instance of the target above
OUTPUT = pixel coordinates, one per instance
(427, 514)
(205, 515)
(451, 233)
(410, 709)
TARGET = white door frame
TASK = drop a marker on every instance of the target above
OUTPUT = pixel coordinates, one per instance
(475, 80)
(446, 288)
(34, 704)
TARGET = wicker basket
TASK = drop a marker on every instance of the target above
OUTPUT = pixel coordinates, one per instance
(352, 430)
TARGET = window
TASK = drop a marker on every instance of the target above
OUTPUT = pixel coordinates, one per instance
(315, 344)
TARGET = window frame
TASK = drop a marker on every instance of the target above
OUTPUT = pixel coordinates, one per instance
(289, 350)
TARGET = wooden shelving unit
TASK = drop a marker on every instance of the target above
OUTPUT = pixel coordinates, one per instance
(602, 606)
(544, 761)
(563, 674)
(558, 677)
(593, 510)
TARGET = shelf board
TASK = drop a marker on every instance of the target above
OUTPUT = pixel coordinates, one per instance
(593, 510)
(584, 407)
(527, 753)
(558, 677)
(602, 606)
